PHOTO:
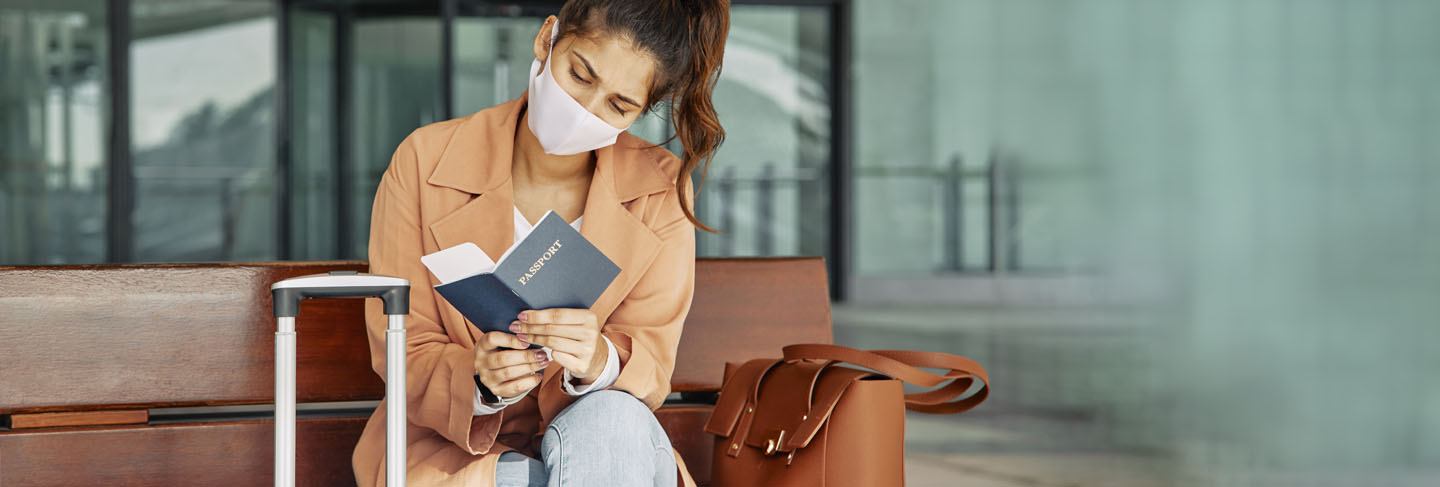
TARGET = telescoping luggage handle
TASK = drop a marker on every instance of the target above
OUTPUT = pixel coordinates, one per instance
(286, 294)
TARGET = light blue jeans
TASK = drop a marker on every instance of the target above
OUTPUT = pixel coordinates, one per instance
(604, 438)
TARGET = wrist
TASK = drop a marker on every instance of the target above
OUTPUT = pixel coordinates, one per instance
(485, 394)
(597, 363)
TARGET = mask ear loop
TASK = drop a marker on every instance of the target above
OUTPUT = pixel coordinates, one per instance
(535, 65)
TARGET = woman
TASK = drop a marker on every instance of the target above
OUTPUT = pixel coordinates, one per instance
(482, 410)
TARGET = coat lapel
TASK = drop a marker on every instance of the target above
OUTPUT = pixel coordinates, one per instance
(617, 232)
(477, 161)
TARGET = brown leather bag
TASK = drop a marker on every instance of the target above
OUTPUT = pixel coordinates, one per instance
(804, 420)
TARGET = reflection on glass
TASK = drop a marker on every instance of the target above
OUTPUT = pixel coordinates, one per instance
(53, 99)
(395, 89)
(202, 128)
(492, 59)
(767, 188)
(314, 221)
(984, 160)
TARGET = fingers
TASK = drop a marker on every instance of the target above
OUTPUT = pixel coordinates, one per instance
(513, 372)
(574, 316)
(515, 387)
(506, 358)
(559, 344)
(575, 363)
(572, 334)
(510, 366)
(533, 331)
(495, 339)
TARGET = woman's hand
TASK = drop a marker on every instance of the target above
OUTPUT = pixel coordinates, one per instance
(506, 372)
(573, 335)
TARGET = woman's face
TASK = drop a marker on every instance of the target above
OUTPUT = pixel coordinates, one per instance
(606, 74)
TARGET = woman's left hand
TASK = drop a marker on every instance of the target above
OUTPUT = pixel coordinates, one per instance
(573, 335)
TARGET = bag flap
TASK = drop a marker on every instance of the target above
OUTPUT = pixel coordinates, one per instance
(783, 401)
(736, 392)
(831, 386)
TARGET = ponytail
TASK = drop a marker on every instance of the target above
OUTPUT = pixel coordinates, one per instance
(692, 113)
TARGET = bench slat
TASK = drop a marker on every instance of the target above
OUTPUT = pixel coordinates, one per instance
(170, 335)
(227, 453)
(748, 308)
(79, 418)
(236, 452)
(163, 335)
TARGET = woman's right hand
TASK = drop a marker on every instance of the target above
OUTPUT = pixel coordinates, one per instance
(506, 371)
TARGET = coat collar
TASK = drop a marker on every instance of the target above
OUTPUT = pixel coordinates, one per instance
(477, 160)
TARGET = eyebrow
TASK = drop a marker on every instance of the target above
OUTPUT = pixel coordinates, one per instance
(591, 70)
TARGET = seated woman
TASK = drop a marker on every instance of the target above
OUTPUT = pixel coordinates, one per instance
(483, 410)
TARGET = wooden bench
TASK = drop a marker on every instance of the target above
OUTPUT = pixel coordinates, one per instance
(163, 374)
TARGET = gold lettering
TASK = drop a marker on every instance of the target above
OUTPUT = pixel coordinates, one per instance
(540, 262)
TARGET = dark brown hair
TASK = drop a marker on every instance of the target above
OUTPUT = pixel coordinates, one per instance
(687, 40)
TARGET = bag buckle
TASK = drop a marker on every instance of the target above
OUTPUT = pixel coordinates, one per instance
(772, 445)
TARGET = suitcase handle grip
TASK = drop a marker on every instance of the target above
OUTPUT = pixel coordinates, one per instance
(394, 291)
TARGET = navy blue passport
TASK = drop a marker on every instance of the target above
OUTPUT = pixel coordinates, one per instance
(554, 267)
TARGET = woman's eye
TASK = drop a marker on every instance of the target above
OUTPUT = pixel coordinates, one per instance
(617, 108)
(577, 77)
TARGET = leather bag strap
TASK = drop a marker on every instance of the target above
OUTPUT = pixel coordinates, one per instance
(904, 365)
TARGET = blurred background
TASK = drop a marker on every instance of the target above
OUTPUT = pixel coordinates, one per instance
(1193, 241)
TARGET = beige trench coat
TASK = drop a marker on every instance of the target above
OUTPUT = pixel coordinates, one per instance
(449, 182)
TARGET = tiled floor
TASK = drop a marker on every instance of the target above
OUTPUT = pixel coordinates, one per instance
(1013, 451)
(1073, 405)
(1007, 442)
(1037, 470)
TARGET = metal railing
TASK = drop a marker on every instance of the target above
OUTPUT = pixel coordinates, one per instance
(1001, 207)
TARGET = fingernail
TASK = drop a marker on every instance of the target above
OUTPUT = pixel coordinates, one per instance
(541, 357)
(523, 337)
(514, 327)
(522, 315)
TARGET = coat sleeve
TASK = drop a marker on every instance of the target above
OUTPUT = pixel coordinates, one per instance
(645, 327)
(440, 390)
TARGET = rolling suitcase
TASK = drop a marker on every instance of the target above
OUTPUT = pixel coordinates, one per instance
(395, 293)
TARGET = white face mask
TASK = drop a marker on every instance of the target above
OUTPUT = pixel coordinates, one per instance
(563, 125)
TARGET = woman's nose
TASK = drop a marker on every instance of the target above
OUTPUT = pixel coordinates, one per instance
(600, 107)
(595, 102)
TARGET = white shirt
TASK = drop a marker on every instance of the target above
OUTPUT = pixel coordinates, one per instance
(612, 361)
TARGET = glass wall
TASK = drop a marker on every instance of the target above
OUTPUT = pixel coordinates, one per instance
(1244, 188)
(202, 130)
(202, 124)
(54, 99)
